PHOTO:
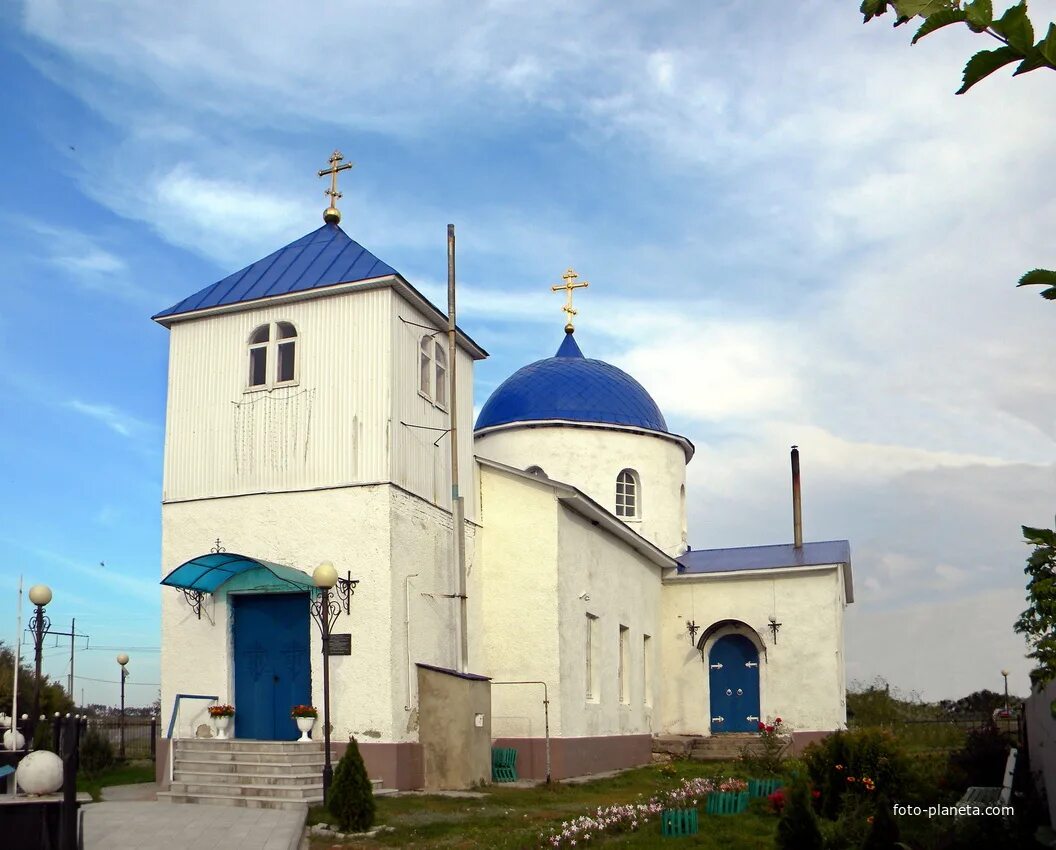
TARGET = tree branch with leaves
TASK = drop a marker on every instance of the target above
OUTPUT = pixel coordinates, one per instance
(1038, 623)
(1013, 29)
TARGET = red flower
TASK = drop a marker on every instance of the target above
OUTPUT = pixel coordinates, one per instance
(769, 728)
(762, 726)
(815, 793)
(778, 720)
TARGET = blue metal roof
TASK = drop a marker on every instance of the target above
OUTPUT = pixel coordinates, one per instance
(207, 572)
(764, 557)
(570, 386)
(322, 258)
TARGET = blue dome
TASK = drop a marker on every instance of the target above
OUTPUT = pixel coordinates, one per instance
(572, 387)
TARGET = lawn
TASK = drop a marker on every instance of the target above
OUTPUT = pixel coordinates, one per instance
(127, 773)
(510, 818)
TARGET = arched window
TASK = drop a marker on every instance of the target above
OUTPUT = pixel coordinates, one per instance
(273, 343)
(441, 376)
(536, 470)
(286, 365)
(425, 363)
(258, 356)
(628, 495)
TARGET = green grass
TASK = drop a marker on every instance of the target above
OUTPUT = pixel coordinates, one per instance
(512, 818)
(128, 773)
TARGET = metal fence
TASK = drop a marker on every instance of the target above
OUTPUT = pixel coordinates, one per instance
(940, 733)
(136, 737)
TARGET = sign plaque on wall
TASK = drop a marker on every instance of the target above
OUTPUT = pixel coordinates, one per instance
(340, 644)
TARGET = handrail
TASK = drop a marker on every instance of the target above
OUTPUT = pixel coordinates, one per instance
(176, 708)
(172, 723)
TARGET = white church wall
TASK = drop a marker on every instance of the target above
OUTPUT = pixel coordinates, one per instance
(590, 458)
(328, 429)
(801, 677)
(602, 577)
(349, 526)
(421, 459)
(514, 623)
(422, 573)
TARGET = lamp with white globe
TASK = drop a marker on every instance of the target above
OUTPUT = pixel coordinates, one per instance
(122, 659)
(39, 626)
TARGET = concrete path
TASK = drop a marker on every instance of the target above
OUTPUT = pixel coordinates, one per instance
(138, 792)
(164, 826)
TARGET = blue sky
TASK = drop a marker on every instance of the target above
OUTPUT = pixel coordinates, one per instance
(795, 233)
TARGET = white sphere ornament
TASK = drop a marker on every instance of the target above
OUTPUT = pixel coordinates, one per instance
(40, 773)
(325, 575)
(40, 594)
(19, 741)
(122, 658)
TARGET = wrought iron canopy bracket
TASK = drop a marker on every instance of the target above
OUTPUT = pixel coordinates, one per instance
(346, 589)
(325, 610)
(194, 599)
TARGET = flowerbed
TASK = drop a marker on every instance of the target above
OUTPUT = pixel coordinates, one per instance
(630, 816)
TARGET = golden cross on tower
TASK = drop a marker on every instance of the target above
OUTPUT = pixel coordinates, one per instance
(332, 215)
(569, 278)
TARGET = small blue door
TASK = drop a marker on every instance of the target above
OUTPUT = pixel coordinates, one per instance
(272, 663)
(734, 680)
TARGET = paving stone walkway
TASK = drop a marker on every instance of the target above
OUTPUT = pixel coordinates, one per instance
(165, 826)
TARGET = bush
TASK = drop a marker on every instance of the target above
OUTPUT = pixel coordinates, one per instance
(351, 798)
(798, 828)
(96, 752)
(857, 763)
(982, 759)
(766, 756)
(883, 831)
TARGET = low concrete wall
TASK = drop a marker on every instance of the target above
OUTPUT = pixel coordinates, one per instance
(454, 727)
(161, 763)
(1041, 741)
(578, 756)
(398, 765)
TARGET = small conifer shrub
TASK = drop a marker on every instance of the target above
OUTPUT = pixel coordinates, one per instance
(96, 752)
(351, 798)
(798, 828)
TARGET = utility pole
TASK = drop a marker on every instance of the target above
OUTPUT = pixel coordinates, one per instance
(457, 508)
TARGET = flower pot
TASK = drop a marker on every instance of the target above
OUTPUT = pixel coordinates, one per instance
(221, 724)
(305, 724)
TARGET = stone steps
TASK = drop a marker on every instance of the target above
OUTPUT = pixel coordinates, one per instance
(705, 747)
(250, 774)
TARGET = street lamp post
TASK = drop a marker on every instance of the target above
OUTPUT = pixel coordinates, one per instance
(1005, 674)
(39, 626)
(326, 611)
(122, 659)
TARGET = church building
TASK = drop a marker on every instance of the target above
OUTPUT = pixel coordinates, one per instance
(311, 399)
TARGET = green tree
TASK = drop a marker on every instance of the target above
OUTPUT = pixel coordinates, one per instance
(1013, 29)
(53, 696)
(1038, 622)
(798, 828)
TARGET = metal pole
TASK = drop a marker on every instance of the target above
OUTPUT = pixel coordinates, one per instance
(546, 718)
(38, 646)
(457, 508)
(797, 502)
(73, 631)
(17, 667)
(324, 623)
(124, 673)
(1006, 691)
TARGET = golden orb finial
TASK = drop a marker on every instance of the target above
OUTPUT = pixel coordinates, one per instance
(332, 215)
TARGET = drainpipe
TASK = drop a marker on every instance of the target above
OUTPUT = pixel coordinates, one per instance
(797, 508)
(457, 509)
(407, 631)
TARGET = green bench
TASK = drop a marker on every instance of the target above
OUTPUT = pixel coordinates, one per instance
(503, 764)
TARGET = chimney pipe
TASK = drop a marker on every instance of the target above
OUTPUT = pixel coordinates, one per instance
(797, 506)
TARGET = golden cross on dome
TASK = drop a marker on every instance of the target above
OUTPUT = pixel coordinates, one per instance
(332, 215)
(569, 285)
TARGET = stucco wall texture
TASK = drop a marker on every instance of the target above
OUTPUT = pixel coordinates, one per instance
(801, 675)
(456, 752)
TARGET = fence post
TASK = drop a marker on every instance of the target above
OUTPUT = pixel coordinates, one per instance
(154, 738)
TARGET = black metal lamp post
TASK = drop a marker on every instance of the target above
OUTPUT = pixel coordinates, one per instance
(39, 626)
(326, 611)
(1005, 674)
(122, 659)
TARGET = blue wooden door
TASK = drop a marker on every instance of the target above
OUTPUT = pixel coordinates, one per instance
(734, 679)
(272, 663)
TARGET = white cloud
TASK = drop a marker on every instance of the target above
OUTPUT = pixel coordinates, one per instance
(116, 420)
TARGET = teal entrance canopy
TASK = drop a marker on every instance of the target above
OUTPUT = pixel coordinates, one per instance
(206, 573)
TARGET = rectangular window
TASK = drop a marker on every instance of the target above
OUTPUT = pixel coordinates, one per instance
(625, 667)
(425, 376)
(591, 653)
(258, 362)
(286, 355)
(647, 671)
(441, 377)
